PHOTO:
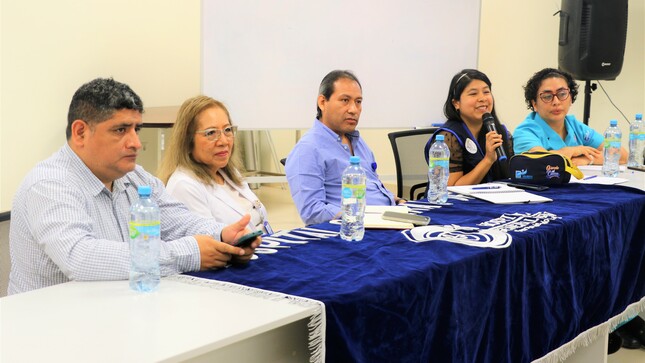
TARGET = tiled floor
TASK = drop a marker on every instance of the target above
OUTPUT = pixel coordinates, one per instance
(627, 356)
(284, 215)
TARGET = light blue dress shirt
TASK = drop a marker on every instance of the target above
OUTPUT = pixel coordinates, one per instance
(534, 131)
(315, 168)
(66, 225)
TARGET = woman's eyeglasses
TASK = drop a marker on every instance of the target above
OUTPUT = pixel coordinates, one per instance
(213, 134)
(562, 94)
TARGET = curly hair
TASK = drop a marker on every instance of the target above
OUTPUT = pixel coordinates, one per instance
(533, 85)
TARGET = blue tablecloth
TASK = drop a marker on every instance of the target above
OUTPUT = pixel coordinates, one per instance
(572, 264)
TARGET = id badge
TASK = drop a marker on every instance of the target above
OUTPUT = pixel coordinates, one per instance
(267, 227)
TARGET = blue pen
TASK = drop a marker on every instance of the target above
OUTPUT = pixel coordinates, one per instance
(483, 188)
(590, 177)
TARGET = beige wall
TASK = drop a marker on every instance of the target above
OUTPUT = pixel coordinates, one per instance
(518, 38)
(48, 49)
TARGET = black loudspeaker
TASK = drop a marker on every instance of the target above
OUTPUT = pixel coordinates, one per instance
(592, 38)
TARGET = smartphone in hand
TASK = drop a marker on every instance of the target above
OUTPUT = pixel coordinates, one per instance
(247, 239)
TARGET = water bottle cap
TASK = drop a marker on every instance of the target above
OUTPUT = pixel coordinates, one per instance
(639, 116)
(144, 190)
(613, 122)
(439, 138)
(354, 159)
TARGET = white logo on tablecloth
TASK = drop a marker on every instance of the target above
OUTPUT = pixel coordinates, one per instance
(495, 236)
(285, 239)
(519, 222)
(463, 235)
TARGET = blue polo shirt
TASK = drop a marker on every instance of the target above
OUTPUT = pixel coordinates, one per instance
(534, 131)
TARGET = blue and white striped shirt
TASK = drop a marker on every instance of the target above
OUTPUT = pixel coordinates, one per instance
(66, 225)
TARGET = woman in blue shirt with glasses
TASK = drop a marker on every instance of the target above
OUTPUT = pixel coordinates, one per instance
(549, 94)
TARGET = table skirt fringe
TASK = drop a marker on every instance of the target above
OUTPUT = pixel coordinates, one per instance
(316, 324)
(600, 331)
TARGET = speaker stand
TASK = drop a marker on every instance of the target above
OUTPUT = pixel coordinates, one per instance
(589, 87)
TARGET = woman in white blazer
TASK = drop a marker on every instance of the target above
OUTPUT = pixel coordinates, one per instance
(201, 169)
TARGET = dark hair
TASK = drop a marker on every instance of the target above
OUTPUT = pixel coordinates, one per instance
(327, 85)
(533, 85)
(97, 100)
(458, 84)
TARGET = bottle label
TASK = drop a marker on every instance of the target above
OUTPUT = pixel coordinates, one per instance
(357, 191)
(637, 135)
(145, 228)
(612, 142)
(435, 162)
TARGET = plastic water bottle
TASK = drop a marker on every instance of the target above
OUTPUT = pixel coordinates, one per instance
(636, 141)
(438, 162)
(144, 242)
(352, 227)
(612, 149)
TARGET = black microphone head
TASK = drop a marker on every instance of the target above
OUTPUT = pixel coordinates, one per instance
(487, 117)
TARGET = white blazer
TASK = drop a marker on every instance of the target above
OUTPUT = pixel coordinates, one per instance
(213, 201)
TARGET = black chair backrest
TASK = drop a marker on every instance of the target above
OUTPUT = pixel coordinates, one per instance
(411, 167)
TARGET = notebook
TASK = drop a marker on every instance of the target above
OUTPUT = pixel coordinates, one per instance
(499, 193)
(596, 179)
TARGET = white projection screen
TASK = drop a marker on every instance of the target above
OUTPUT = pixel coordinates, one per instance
(265, 58)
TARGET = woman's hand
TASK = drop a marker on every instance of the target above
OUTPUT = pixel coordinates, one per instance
(582, 160)
(586, 151)
(493, 141)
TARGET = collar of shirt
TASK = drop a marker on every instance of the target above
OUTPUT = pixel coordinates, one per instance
(322, 128)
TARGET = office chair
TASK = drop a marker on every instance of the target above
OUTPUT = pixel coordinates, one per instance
(411, 166)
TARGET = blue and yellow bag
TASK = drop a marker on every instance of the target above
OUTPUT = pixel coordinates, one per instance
(542, 168)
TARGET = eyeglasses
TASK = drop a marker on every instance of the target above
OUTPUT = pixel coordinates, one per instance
(562, 94)
(213, 134)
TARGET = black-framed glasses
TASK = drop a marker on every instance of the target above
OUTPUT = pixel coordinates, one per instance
(562, 94)
(213, 134)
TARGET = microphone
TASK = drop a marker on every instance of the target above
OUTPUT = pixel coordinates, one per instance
(489, 124)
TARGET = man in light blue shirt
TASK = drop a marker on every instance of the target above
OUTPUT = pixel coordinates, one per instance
(315, 166)
(70, 216)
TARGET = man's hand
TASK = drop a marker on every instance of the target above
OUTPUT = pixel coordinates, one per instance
(215, 254)
(233, 232)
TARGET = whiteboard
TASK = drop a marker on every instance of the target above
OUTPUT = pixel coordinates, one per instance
(265, 59)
